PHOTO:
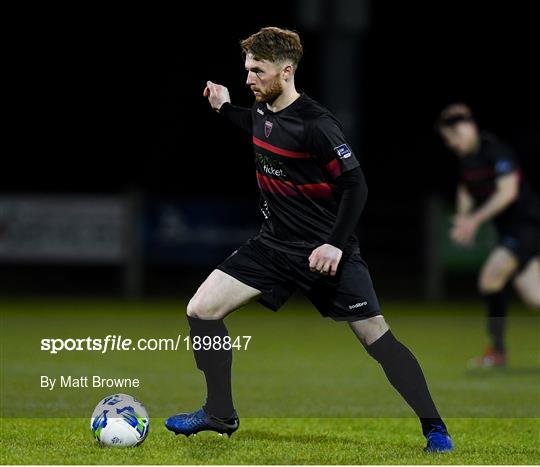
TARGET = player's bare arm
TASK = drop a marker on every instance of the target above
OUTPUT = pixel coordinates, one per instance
(464, 201)
(217, 95)
(464, 205)
(466, 225)
(325, 259)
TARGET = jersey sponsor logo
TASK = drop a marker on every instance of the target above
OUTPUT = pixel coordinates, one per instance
(357, 305)
(259, 111)
(343, 151)
(271, 171)
(270, 165)
(268, 128)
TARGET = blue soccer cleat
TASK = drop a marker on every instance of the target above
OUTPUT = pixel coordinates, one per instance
(438, 440)
(191, 423)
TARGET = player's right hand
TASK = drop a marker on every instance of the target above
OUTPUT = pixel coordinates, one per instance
(217, 95)
(325, 259)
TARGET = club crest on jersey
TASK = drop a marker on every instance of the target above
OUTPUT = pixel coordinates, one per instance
(343, 151)
(268, 128)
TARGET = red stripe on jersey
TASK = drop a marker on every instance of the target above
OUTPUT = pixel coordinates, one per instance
(285, 188)
(276, 186)
(281, 152)
(316, 190)
(474, 174)
(333, 168)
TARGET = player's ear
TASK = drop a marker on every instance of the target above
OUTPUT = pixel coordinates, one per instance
(288, 71)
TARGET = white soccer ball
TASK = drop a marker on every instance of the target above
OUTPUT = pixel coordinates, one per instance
(120, 420)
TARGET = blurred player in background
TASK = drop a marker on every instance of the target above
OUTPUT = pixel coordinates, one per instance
(312, 195)
(492, 188)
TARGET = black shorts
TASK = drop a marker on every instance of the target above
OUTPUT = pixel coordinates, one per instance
(347, 296)
(523, 242)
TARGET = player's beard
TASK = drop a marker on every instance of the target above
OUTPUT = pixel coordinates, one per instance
(271, 94)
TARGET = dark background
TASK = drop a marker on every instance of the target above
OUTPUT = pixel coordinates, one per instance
(109, 100)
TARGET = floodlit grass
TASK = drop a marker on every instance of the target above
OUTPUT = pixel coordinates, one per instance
(277, 441)
(305, 389)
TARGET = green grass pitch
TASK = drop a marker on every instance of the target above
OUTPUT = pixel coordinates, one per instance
(278, 441)
(306, 391)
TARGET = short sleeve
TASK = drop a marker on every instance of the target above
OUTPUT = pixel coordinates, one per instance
(326, 142)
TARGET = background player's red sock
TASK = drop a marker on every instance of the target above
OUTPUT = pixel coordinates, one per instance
(404, 373)
(216, 366)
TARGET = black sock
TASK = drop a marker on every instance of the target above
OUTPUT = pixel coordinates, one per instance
(405, 374)
(496, 318)
(216, 366)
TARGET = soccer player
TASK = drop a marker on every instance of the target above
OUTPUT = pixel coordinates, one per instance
(492, 187)
(312, 194)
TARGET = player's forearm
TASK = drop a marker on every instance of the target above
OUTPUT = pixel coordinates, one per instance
(353, 200)
(464, 202)
(240, 116)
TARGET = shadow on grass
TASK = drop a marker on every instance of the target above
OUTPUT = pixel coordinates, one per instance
(307, 439)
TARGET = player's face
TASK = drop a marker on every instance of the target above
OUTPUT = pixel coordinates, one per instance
(460, 138)
(264, 79)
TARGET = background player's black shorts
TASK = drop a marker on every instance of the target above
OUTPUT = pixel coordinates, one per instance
(523, 241)
(348, 296)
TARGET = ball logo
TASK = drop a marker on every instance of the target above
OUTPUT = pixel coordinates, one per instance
(120, 420)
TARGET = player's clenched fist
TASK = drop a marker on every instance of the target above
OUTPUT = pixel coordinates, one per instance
(325, 259)
(217, 95)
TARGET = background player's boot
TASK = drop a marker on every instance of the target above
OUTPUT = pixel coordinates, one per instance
(191, 423)
(491, 358)
(438, 440)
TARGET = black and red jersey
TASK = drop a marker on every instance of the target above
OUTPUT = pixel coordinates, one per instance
(479, 172)
(300, 151)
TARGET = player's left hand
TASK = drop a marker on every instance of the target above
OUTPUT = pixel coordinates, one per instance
(217, 95)
(325, 259)
(464, 230)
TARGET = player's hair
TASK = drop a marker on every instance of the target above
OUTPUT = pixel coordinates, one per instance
(452, 114)
(275, 45)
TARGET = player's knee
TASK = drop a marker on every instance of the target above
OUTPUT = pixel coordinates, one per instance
(489, 287)
(491, 282)
(369, 330)
(532, 300)
(193, 309)
(199, 308)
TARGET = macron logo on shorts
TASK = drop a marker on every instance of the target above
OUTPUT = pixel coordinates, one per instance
(357, 305)
(343, 151)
